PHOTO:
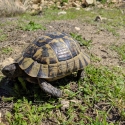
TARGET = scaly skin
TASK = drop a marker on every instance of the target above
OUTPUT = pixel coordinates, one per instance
(48, 88)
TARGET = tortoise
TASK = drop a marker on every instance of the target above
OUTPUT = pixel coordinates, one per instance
(48, 58)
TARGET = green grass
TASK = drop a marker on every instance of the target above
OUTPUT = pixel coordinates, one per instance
(81, 41)
(101, 86)
(7, 50)
(120, 49)
(52, 14)
(2, 36)
(31, 26)
(25, 113)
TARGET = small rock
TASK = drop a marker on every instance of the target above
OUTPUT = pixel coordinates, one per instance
(77, 28)
(65, 4)
(75, 4)
(59, 7)
(50, 26)
(35, 7)
(99, 5)
(78, 8)
(89, 2)
(62, 13)
(57, 3)
(65, 104)
(7, 62)
(100, 19)
(76, 101)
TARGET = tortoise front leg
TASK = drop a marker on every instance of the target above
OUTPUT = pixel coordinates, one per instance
(80, 74)
(48, 88)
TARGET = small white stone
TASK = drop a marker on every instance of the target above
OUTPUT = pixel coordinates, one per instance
(50, 27)
(65, 104)
(35, 7)
(77, 8)
(76, 101)
(77, 28)
(62, 13)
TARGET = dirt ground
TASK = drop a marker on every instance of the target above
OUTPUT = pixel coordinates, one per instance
(102, 39)
(17, 39)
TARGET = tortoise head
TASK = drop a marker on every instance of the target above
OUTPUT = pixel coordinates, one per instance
(11, 70)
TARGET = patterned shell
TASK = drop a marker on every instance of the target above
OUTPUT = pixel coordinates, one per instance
(54, 55)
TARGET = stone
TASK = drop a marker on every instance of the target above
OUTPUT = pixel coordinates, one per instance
(62, 13)
(74, 4)
(78, 8)
(65, 104)
(77, 28)
(100, 19)
(7, 61)
(57, 3)
(59, 7)
(35, 7)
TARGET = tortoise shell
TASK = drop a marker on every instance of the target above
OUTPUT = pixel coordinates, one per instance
(52, 56)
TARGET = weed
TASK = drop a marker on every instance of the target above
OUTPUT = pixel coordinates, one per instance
(26, 113)
(2, 36)
(81, 41)
(32, 26)
(95, 58)
(7, 50)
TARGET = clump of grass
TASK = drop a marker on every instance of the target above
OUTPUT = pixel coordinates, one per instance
(25, 113)
(7, 50)
(81, 41)
(31, 26)
(2, 36)
(94, 58)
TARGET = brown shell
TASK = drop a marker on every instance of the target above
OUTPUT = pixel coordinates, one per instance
(52, 56)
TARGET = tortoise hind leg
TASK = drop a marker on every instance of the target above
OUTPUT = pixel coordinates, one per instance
(48, 88)
(80, 74)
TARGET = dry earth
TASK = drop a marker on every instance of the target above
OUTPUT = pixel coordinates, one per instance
(101, 39)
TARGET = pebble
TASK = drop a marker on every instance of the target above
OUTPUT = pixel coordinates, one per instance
(7, 61)
(50, 26)
(65, 104)
(62, 13)
(78, 8)
(77, 28)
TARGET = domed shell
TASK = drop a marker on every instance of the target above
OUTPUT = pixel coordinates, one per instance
(52, 56)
